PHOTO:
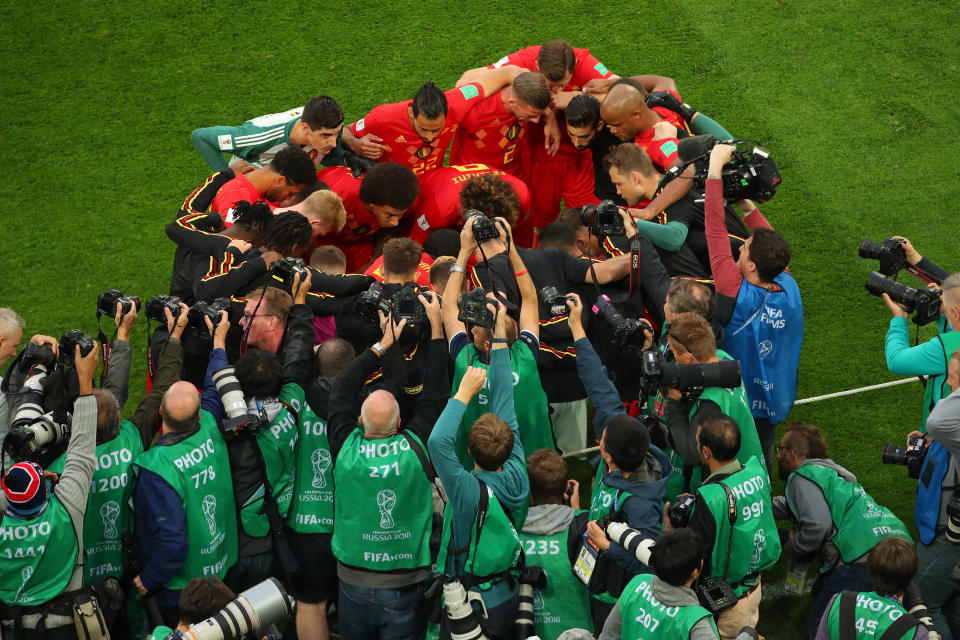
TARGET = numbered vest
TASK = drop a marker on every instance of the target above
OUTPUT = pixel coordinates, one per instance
(37, 556)
(859, 522)
(108, 508)
(606, 499)
(873, 615)
(198, 469)
(565, 603)
(529, 398)
(756, 545)
(732, 402)
(311, 508)
(495, 552)
(384, 504)
(936, 387)
(644, 617)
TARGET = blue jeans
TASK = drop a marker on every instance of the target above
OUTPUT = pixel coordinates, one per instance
(842, 577)
(939, 590)
(388, 614)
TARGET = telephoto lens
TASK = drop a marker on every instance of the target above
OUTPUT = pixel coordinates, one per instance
(26, 442)
(463, 620)
(531, 579)
(259, 606)
(632, 540)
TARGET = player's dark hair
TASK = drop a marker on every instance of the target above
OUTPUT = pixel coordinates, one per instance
(806, 441)
(572, 218)
(401, 256)
(556, 60)
(260, 374)
(892, 563)
(322, 112)
(390, 184)
(295, 165)
(557, 234)
(583, 111)
(430, 102)
(491, 195)
(203, 598)
(255, 217)
(627, 158)
(720, 434)
(532, 88)
(287, 230)
(770, 252)
(627, 441)
(631, 82)
(442, 242)
(548, 477)
(333, 356)
(675, 555)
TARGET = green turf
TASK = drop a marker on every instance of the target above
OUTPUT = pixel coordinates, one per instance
(856, 100)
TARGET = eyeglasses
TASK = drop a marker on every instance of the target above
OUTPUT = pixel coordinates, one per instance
(780, 449)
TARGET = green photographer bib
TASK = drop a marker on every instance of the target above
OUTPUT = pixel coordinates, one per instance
(384, 504)
(936, 388)
(37, 556)
(311, 508)
(872, 614)
(643, 616)
(198, 469)
(859, 522)
(756, 545)
(108, 509)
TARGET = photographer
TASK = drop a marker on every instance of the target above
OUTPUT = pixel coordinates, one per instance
(480, 545)
(879, 613)
(551, 538)
(936, 510)
(383, 487)
(41, 535)
(930, 358)
(202, 598)
(838, 521)
(758, 304)
(523, 338)
(11, 333)
(631, 478)
(736, 545)
(691, 340)
(257, 406)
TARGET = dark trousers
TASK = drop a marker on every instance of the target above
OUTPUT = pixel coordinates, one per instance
(768, 436)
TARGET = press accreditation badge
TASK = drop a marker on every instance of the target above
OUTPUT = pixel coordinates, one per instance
(586, 561)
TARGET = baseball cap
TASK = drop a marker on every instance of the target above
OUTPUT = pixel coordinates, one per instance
(25, 488)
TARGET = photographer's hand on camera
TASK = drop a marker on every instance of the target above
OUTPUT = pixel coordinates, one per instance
(913, 256)
(125, 321)
(301, 289)
(597, 536)
(176, 326)
(896, 310)
(719, 156)
(86, 366)
(575, 306)
(431, 303)
(219, 332)
(47, 341)
(629, 226)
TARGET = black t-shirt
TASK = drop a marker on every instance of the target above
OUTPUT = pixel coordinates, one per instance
(599, 147)
(689, 211)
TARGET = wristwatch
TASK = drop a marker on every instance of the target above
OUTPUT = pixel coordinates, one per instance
(378, 348)
(457, 268)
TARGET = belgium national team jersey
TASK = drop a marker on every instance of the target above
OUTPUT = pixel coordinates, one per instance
(662, 152)
(402, 143)
(489, 135)
(586, 67)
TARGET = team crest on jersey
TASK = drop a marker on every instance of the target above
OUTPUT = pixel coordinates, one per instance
(513, 132)
(424, 152)
(360, 124)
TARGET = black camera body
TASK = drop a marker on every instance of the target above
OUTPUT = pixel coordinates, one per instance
(656, 374)
(911, 457)
(630, 334)
(28, 442)
(473, 307)
(751, 172)
(923, 303)
(107, 303)
(614, 516)
(484, 228)
(680, 510)
(155, 306)
(556, 301)
(603, 219)
(370, 302)
(716, 595)
(283, 271)
(68, 343)
(891, 254)
(404, 304)
(201, 310)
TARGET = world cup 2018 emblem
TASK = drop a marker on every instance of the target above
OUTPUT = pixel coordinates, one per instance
(320, 460)
(386, 501)
(209, 508)
(109, 512)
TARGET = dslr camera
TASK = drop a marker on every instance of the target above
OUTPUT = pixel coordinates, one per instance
(405, 304)
(370, 302)
(923, 303)
(890, 253)
(107, 303)
(680, 510)
(70, 341)
(201, 310)
(629, 333)
(473, 307)
(253, 610)
(155, 306)
(750, 173)
(484, 228)
(656, 374)
(603, 219)
(910, 457)
(556, 301)
(283, 271)
(33, 430)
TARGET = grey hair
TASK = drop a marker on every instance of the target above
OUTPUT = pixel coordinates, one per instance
(10, 320)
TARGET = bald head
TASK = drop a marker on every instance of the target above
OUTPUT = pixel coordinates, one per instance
(624, 106)
(380, 414)
(180, 407)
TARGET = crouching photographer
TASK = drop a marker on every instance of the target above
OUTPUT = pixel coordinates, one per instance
(732, 515)
(41, 532)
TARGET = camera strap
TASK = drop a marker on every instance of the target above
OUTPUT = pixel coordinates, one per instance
(104, 347)
(151, 363)
(731, 518)
(281, 545)
(428, 468)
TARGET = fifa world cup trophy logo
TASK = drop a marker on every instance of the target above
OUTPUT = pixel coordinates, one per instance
(109, 512)
(759, 545)
(321, 462)
(209, 508)
(26, 573)
(386, 501)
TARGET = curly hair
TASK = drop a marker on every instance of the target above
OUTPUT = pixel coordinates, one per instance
(255, 217)
(294, 164)
(492, 195)
(287, 230)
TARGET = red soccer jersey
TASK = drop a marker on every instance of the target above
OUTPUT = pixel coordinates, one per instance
(391, 122)
(585, 69)
(489, 135)
(232, 192)
(438, 206)
(356, 237)
(662, 152)
(423, 271)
